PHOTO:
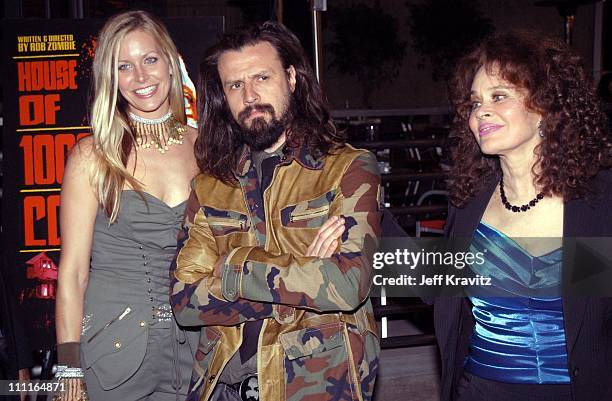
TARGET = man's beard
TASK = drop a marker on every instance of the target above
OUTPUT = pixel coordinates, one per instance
(262, 135)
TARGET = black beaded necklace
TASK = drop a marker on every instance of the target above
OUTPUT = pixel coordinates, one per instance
(517, 209)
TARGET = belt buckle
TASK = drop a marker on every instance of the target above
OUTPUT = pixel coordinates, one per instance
(249, 389)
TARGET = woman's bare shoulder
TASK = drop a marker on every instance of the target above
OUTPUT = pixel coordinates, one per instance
(83, 153)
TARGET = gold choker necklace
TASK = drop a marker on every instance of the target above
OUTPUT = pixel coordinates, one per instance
(159, 133)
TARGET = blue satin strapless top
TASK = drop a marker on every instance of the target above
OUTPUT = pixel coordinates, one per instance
(517, 339)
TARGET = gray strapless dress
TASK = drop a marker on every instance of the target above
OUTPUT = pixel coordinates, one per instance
(131, 347)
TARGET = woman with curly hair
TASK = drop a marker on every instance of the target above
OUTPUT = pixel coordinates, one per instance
(529, 159)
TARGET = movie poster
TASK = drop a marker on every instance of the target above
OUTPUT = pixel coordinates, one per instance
(46, 81)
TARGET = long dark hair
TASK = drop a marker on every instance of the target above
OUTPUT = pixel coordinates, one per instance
(218, 147)
(576, 143)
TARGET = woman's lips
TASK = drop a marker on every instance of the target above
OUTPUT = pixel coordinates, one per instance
(146, 91)
(486, 129)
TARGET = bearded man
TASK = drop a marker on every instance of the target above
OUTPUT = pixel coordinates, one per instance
(275, 259)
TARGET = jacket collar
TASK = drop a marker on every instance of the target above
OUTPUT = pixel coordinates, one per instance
(298, 153)
(468, 217)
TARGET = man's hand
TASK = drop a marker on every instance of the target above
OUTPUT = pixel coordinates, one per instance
(326, 241)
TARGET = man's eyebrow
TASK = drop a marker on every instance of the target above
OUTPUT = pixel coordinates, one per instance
(262, 72)
(254, 75)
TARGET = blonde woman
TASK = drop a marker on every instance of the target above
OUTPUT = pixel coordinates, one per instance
(123, 199)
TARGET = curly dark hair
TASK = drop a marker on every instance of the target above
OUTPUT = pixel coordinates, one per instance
(218, 147)
(576, 142)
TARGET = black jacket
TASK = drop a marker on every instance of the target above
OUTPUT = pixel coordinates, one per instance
(588, 320)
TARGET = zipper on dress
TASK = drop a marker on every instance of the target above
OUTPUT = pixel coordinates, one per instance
(123, 314)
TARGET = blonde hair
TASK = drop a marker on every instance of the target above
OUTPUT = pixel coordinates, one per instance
(112, 136)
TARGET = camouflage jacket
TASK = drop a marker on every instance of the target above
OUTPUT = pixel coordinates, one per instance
(241, 257)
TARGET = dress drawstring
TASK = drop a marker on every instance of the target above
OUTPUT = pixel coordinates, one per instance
(178, 337)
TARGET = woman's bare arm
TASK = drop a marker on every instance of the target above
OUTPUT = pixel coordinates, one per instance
(77, 216)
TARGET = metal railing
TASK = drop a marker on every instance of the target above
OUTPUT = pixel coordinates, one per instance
(411, 169)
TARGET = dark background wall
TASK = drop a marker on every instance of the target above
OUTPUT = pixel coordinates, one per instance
(413, 85)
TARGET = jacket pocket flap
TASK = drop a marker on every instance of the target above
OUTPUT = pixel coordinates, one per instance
(312, 340)
(223, 222)
(308, 214)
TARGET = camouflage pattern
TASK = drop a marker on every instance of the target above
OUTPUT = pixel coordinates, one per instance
(252, 194)
(308, 214)
(318, 339)
(224, 222)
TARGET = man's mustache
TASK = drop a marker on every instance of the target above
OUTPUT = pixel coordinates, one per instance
(262, 108)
